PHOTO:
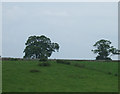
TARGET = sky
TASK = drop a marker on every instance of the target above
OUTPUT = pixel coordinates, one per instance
(74, 26)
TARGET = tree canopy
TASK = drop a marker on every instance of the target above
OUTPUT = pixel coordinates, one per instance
(104, 50)
(39, 47)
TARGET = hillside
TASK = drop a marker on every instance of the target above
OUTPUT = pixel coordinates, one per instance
(88, 77)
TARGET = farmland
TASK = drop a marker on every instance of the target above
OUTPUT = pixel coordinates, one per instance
(78, 76)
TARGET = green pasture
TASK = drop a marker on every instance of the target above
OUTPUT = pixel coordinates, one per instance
(93, 77)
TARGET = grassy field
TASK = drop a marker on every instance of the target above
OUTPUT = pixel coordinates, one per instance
(93, 77)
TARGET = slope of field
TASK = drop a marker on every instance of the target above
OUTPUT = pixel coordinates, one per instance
(94, 77)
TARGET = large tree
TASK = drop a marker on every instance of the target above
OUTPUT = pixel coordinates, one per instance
(104, 50)
(39, 47)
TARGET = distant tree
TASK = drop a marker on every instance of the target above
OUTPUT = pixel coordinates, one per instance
(104, 50)
(115, 51)
(39, 47)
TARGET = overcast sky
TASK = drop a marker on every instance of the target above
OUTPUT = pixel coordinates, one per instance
(74, 26)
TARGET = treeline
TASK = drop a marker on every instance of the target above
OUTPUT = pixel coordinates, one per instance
(15, 59)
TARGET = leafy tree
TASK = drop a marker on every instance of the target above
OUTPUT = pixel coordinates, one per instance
(39, 47)
(104, 50)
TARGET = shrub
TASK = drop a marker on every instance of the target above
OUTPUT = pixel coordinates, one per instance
(116, 74)
(43, 59)
(101, 58)
(34, 71)
(108, 59)
(44, 64)
(68, 63)
(63, 62)
(79, 65)
(59, 61)
(13, 59)
(109, 73)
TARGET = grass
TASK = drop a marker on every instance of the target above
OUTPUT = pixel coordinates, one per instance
(59, 77)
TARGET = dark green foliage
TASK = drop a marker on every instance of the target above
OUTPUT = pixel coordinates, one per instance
(44, 64)
(39, 47)
(116, 74)
(109, 73)
(13, 59)
(59, 61)
(43, 59)
(79, 65)
(104, 50)
(67, 63)
(63, 62)
(34, 70)
(101, 58)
